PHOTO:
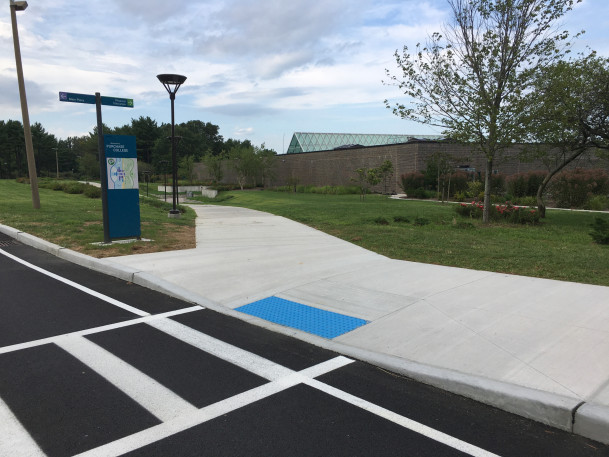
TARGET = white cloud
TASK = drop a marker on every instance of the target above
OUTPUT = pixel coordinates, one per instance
(243, 131)
(273, 66)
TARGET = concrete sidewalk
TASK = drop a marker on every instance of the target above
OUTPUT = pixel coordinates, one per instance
(535, 347)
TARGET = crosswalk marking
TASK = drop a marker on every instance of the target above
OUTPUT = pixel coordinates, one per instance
(158, 432)
(244, 359)
(177, 414)
(103, 328)
(417, 427)
(15, 440)
(80, 287)
(150, 394)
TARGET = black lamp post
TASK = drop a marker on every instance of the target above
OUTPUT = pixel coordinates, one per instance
(172, 83)
(164, 164)
(147, 175)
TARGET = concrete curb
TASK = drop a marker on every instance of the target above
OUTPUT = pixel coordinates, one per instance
(566, 413)
(592, 421)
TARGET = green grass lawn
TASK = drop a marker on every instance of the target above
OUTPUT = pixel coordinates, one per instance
(560, 248)
(75, 221)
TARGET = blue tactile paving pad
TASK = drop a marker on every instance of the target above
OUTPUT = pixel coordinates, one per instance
(296, 315)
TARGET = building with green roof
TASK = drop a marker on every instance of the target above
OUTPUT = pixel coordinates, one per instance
(312, 142)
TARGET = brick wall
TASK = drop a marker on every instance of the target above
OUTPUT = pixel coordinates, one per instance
(337, 167)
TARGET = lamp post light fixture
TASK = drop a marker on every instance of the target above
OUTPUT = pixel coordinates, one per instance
(172, 83)
(147, 175)
(164, 164)
(56, 161)
(29, 148)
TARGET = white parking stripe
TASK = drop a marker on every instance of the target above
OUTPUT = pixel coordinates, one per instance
(103, 328)
(157, 433)
(244, 359)
(151, 395)
(84, 289)
(417, 427)
(15, 440)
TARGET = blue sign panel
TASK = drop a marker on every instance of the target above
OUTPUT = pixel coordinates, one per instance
(113, 101)
(76, 98)
(90, 99)
(123, 186)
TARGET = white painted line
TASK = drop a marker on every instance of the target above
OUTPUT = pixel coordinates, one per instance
(244, 359)
(103, 328)
(161, 431)
(150, 394)
(417, 427)
(84, 289)
(15, 440)
(326, 367)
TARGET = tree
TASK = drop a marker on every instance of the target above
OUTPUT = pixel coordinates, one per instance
(569, 114)
(214, 164)
(439, 169)
(267, 159)
(186, 168)
(146, 133)
(385, 173)
(88, 166)
(13, 148)
(44, 145)
(244, 161)
(199, 138)
(366, 178)
(472, 81)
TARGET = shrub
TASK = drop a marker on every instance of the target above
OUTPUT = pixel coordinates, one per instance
(526, 201)
(403, 219)
(474, 189)
(421, 193)
(572, 189)
(412, 181)
(226, 187)
(460, 197)
(92, 192)
(497, 184)
(597, 203)
(600, 230)
(473, 210)
(458, 182)
(463, 225)
(420, 221)
(381, 221)
(74, 188)
(525, 184)
(507, 213)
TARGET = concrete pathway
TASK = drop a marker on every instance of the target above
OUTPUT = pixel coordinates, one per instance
(536, 347)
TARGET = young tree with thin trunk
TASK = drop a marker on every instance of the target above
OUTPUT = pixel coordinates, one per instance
(472, 80)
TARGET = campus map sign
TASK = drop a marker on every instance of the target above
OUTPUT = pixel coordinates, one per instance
(123, 190)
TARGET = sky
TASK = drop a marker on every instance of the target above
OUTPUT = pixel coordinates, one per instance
(260, 70)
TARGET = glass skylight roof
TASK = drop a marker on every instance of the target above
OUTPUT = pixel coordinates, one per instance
(310, 142)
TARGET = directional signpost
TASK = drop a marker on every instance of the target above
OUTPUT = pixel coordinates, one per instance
(98, 100)
(90, 99)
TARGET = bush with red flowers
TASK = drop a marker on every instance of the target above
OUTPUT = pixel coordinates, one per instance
(505, 212)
